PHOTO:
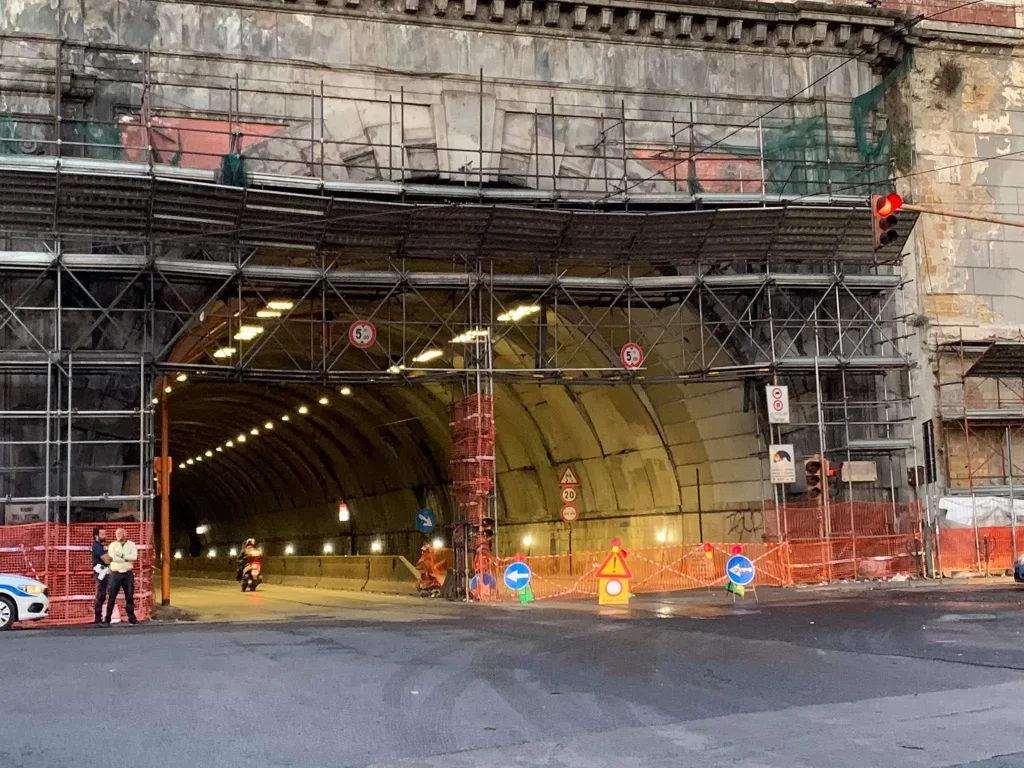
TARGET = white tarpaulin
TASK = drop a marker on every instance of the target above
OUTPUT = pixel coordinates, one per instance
(959, 511)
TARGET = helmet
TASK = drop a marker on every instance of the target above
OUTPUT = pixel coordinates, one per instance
(250, 542)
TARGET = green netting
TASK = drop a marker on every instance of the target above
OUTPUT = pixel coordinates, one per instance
(232, 170)
(100, 142)
(8, 143)
(803, 157)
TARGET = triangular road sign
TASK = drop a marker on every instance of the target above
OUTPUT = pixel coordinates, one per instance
(569, 477)
(614, 567)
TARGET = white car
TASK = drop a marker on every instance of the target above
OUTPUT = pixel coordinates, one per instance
(21, 599)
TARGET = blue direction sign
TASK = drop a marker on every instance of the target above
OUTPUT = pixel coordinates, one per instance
(517, 575)
(740, 570)
(425, 521)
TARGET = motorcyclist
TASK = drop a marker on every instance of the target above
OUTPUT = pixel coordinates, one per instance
(248, 553)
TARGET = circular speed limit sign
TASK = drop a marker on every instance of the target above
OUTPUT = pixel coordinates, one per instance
(568, 494)
(362, 334)
(570, 514)
(632, 356)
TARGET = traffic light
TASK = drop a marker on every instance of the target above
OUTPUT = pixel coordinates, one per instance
(814, 469)
(884, 219)
(834, 474)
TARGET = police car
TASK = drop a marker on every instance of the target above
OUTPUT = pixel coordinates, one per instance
(21, 599)
(1018, 570)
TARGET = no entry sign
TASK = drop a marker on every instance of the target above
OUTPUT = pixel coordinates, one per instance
(362, 334)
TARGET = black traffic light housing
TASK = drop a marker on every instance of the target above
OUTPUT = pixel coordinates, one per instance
(834, 475)
(884, 219)
(815, 471)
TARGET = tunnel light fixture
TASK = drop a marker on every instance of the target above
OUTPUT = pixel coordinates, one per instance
(219, 449)
(177, 554)
(281, 305)
(230, 444)
(303, 410)
(233, 552)
(396, 368)
(202, 529)
(181, 377)
(519, 313)
(267, 314)
(376, 546)
(473, 334)
(190, 462)
(437, 543)
(167, 389)
(324, 401)
(224, 352)
(182, 465)
(527, 540)
(289, 549)
(269, 425)
(254, 431)
(241, 438)
(662, 536)
(199, 458)
(328, 548)
(156, 400)
(209, 454)
(286, 417)
(211, 554)
(346, 391)
(427, 355)
(248, 332)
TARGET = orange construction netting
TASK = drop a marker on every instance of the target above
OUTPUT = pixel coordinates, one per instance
(991, 551)
(59, 556)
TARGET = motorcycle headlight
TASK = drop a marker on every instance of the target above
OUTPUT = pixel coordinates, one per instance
(33, 589)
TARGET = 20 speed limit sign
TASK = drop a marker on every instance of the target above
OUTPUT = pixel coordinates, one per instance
(632, 356)
(362, 334)
(569, 494)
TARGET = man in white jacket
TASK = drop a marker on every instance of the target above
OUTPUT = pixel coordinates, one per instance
(123, 554)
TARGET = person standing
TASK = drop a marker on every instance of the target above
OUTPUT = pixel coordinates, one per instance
(100, 561)
(123, 553)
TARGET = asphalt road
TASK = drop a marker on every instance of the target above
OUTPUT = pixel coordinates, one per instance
(800, 680)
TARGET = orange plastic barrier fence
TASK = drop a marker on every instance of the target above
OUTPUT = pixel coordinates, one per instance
(990, 552)
(59, 556)
(860, 557)
(656, 569)
(846, 518)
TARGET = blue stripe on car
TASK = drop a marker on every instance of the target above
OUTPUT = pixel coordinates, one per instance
(13, 590)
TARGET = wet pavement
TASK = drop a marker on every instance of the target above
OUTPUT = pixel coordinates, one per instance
(910, 676)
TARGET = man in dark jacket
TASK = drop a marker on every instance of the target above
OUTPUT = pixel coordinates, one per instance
(100, 561)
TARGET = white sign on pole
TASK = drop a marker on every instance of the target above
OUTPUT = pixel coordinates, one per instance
(782, 468)
(778, 404)
(20, 514)
(859, 472)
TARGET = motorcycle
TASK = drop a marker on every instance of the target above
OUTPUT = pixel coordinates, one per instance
(252, 575)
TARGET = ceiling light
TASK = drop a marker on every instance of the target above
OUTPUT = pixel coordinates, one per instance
(156, 400)
(517, 314)
(219, 449)
(286, 417)
(209, 454)
(248, 332)
(398, 368)
(268, 313)
(303, 410)
(254, 431)
(199, 458)
(167, 389)
(230, 443)
(269, 425)
(191, 461)
(202, 529)
(181, 377)
(182, 465)
(323, 401)
(280, 304)
(240, 438)
(427, 355)
(471, 335)
(376, 546)
(223, 352)
(346, 391)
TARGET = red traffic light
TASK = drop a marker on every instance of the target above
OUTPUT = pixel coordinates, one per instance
(708, 547)
(737, 549)
(888, 205)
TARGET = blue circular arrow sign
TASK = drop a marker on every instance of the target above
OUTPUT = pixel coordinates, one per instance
(517, 575)
(740, 570)
(425, 521)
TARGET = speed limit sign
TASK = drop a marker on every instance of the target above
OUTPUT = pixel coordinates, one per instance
(362, 334)
(569, 494)
(632, 356)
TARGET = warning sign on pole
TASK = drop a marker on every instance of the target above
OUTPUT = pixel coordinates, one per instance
(362, 334)
(782, 468)
(778, 404)
(569, 477)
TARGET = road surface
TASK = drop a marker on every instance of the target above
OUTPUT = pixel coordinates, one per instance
(840, 679)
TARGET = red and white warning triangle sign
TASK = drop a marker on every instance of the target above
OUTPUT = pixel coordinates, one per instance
(614, 566)
(569, 477)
